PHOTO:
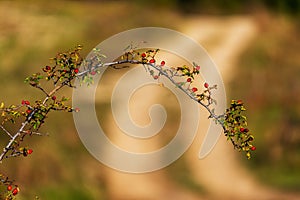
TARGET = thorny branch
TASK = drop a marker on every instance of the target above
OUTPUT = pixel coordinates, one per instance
(66, 69)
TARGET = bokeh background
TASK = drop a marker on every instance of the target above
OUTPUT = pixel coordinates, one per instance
(266, 76)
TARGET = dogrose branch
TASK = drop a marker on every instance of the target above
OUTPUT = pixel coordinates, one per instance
(25, 123)
(15, 136)
(168, 76)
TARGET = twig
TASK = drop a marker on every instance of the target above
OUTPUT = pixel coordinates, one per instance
(8, 133)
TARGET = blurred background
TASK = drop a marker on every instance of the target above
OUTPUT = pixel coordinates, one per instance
(265, 75)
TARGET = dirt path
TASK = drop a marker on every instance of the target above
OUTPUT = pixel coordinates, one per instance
(220, 173)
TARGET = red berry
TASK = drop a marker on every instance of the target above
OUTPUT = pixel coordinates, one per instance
(188, 80)
(93, 72)
(15, 191)
(162, 63)
(206, 85)
(9, 188)
(48, 68)
(152, 60)
(53, 98)
(28, 111)
(76, 70)
(246, 130)
(143, 55)
(25, 102)
(155, 77)
(253, 148)
(197, 67)
(242, 129)
(194, 89)
(29, 151)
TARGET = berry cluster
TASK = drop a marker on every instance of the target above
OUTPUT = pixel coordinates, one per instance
(29, 116)
(235, 128)
(232, 121)
(12, 191)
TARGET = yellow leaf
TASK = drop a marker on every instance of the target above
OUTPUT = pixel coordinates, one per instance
(161, 84)
(1, 105)
(76, 57)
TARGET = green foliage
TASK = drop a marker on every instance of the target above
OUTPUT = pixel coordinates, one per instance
(235, 124)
